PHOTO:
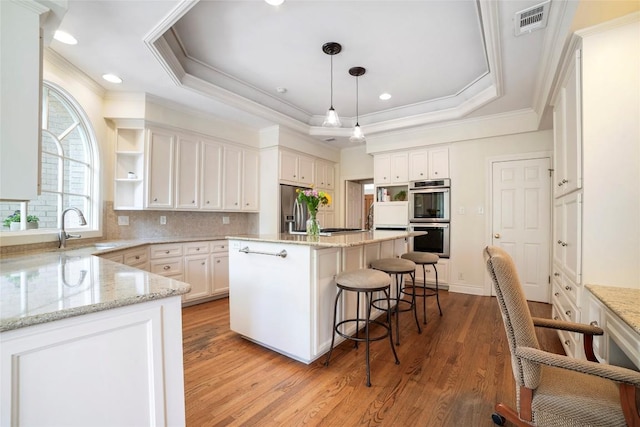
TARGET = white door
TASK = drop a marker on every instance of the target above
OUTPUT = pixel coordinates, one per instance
(355, 200)
(521, 220)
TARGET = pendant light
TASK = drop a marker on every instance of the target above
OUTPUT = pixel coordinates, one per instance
(331, 120)
(357, 135)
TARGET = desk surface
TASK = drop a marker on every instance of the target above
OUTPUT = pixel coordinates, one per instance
(624, 302)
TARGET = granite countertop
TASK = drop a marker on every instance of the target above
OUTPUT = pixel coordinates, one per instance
(624, 302)
(43, 286)
(339, 240)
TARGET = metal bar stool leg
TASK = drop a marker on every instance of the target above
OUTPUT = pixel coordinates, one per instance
(437, 290)
(393, 349)
(367, 296)
(413, 300)
(333, 330)
(424, 294)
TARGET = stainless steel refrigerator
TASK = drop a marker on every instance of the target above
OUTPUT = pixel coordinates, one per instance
(290, 210)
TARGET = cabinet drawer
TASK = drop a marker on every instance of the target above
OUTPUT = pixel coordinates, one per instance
(136, 257)
(564, 284)
(166, 251)
(566, 310)
(115, 257)
(167, 267)
(219, 246)
(196, 248)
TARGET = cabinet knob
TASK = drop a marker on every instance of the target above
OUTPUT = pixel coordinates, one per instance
(557, 294)
(436, 173)
(568, 312)
(294, 176)
(167, 252)
(207, 202)
(246, 204)
(567, 342)
(193, 201)
(155, 199)
(555, 317)
(217, 261)
(197, 249)
(497, 235)
(568, 287)
(594, 323)
(556, 274)
(236, 203)
(421, 174)
(302, 177)
(137, 256)
(167, 267)
(202, 263)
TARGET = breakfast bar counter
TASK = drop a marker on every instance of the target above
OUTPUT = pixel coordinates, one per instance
(282, 287)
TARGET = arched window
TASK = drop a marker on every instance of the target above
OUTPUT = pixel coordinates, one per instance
(68, 165)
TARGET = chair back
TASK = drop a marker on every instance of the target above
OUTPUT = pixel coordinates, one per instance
(515, 313)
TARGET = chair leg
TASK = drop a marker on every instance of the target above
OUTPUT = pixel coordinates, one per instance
(437, 290)
(413, 300)
(398, 293)
(393, 349)
(510, 415)
(424, 294)
(368, 297)
(333, 335)
(629, 398)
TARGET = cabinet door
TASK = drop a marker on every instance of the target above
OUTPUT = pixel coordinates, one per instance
(329, 176)
(232, 167)
(160, 169)
(418, 165)
(382, 169)
(288, 166)
(439, 163)
(187, 173)
(568, 238)
(306, 170)
(250, 180)
(211, 173)
(196, 273)
(220, 268)
(399, 168)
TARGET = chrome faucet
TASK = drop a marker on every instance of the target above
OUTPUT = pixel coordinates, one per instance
(63, 235)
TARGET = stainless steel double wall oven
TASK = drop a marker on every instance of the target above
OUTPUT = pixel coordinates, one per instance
(430, 211)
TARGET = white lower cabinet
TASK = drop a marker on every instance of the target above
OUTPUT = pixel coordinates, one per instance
(196, 273)
(117, 367)
(167, 260)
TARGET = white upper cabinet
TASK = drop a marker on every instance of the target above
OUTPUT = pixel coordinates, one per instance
(250, 180)
(391, 168)
(20, 85)
(325, 175)
(211, 168)
(232, 172)
(567, 116)
(296, 169)
(428, 164)
(187, 173)
(160, 169)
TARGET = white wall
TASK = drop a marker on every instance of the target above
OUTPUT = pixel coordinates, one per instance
(611, 155)
(469, 166)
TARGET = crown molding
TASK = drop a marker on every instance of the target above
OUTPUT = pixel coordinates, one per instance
(70, 71)
(609, 25)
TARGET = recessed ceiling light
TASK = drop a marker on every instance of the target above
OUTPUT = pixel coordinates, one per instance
(385, 96)
(65, 38)
(274, 2)
(112, 78)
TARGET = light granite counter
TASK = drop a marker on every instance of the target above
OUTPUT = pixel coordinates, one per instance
(41, 287)
(624, 302)
(335, 241)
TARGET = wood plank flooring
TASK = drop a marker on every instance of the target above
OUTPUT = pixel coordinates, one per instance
(450, 375)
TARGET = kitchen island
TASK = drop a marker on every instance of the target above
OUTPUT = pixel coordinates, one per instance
(87, 341)
(282, 287)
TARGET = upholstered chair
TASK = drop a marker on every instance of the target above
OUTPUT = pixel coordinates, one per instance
(552, 389)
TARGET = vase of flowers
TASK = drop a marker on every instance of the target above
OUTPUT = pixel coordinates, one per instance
(313, 199)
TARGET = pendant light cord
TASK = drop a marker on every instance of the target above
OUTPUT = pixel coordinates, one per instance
(331, 81)
(357, 102)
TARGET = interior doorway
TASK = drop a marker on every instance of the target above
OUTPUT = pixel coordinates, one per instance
(359, 199)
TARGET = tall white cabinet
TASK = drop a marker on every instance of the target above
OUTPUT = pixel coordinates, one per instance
(597, 170)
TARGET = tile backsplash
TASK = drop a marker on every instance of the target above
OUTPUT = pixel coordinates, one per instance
(146, 224)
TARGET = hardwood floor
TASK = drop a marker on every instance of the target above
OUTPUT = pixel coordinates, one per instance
(450, 375)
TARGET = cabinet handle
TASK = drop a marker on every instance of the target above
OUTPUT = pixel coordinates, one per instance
(557, 294)
(207, 202)
(202, 263)
(217, 261)
(137, 256)
(167, 267)
(198, 249)
(167, 252)
(560, 242)
(556, 274)
(555, 317)
(568, 287)
(594, 323)
(568, 312)
(564, 243)
(567, 342)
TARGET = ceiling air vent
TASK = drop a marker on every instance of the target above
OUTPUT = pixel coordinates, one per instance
(531, 19)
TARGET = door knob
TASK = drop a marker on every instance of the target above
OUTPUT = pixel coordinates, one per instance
(497, 235)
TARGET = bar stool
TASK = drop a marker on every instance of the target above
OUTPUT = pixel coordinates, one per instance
(424, 259)
(364, 281)
(398, 267)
